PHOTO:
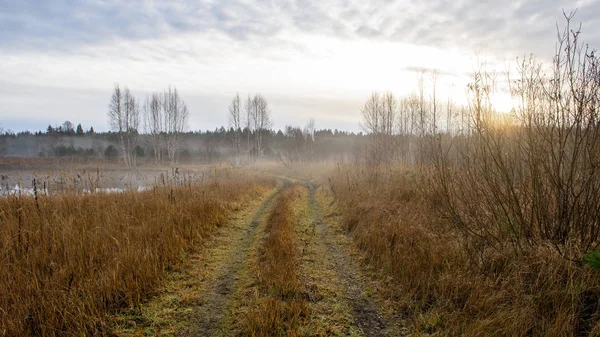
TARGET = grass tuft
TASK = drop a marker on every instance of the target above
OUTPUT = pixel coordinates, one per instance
(282, 307)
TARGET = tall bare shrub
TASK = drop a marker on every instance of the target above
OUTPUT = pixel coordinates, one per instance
(536, 180)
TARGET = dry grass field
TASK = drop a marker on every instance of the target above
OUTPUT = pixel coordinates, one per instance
(69, 259)
(321, 252)
(344, 168)
(444, 283)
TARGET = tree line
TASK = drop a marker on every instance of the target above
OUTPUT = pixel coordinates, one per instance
(158, 128)
(290, 145)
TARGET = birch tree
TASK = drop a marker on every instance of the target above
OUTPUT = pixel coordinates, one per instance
(153, 120)
(379, 120)
(435, 113)
(116, 117)
(263, 118)
(235, 123)
(422, 116)
(310, 131)
(175, 121)
(248, 119)
(259, 116)
(131, 124)
(372, 112)
(124, 118)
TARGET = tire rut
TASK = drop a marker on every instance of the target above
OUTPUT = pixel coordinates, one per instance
(365, 312)
(213, 301)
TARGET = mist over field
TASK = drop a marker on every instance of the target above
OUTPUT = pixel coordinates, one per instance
(299, 168)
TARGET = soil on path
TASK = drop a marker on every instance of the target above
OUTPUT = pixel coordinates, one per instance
(195, 298)
(343, 295)
(215, 287)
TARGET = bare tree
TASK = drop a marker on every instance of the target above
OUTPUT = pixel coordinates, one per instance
(310, 131)
(153, 123)
(310, 128)
(422, 119)
(261, 117)
(131, 124)
(379, 120)
(389, 106)
(404, 129)
(116, 117)
(412, 117)
(124, 118)
(248, 118)
(390, 110)
(371, 114)
(450, 106)
(435, 113)
(294, 147)
(235, 123)
(157, 128)
(67, 127)
(175, 121)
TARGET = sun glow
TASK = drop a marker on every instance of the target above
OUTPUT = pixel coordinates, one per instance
(503, 102)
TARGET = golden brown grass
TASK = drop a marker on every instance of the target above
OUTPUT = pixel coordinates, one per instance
(69, 260)
(282, 307)
(443, 282)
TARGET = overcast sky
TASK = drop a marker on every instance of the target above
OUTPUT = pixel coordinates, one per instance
(59, 60)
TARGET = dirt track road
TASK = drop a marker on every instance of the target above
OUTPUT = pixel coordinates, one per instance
(215, 288)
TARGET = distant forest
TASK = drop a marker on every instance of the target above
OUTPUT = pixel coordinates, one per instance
(293, 144)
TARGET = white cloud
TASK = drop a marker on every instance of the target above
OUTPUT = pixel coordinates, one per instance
(334, 52)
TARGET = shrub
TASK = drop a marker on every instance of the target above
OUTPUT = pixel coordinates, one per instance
(111, 153)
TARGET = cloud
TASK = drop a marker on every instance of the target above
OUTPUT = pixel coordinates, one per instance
(342, 49)
(519, 27)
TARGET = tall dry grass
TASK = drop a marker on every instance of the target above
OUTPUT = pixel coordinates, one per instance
(282, 306)
(68, 260)
(444, 283)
